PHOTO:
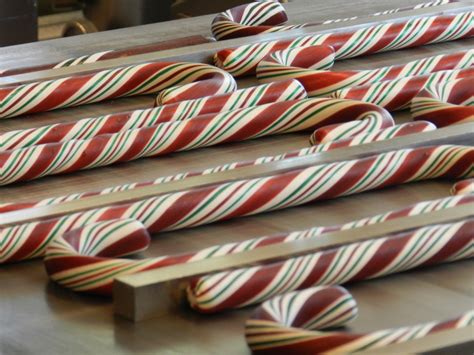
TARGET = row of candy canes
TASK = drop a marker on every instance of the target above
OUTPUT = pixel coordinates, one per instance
(193, 207)
(153, 77)
(270, 16)
(94, 142)
(201, 131)
(227, 200)
(253, 9)
(87, 128)
(307, 64)
(304, 322)
(86, 259)
(439, 89)
(414, 32)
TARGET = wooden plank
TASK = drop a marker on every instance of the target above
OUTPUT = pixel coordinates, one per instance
(457, 134)
(204, 52)
(153, 293)
(451, 341)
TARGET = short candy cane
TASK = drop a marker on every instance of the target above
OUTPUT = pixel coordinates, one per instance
(85, 259)
(445, 103)
(296, 323)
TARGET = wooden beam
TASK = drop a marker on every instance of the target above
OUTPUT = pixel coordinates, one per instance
(457, 134)
(204, 52)
(153, 293)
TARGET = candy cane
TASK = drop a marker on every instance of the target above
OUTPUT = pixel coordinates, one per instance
(85, 259)
(268, 16)
(293, 324)
(196, 80)
(352, 43)
(275, 118)
(445, 103)
(373, 136)
(357, 261)
(397, 94)
(223, 201)
(118, 122)
(337, 131)
(293, 63)
(464, 187)
(110, 54)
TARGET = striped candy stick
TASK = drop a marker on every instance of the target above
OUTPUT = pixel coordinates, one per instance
(117, 122)
(464, 187)
(337, 131)
(357, 261)
(176, 81)
(415, 32)
(293, 323)
(397, 94)
(446, 103)
(290, 63)
(110, 54)
(223, 201)
(85, 259)
(375, 136)
(249, 123)
(268, 16)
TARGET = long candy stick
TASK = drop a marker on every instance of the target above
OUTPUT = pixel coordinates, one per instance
(397, 94)
(294, 63)
(337, 131)
(223, 201)
(358, 261)
(293, 324)
(268, 17)
(196, 80)
(275, 118)
(384, 37)
(110, 54)
(374, 136)
(446, 103)
(122, 121)
(85, 259)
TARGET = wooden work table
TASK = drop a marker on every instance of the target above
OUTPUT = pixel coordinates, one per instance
(37, 316)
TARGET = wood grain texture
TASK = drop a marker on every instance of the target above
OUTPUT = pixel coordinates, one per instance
(39, 317)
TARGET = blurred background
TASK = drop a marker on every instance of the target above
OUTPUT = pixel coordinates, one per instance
(23, 21)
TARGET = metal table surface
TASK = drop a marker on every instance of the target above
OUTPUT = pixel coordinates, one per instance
(37, 316)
